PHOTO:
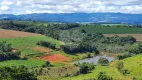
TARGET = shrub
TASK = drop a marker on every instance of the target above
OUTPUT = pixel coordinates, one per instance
(6, 52)
(47, 64)
(123, 56)
(85, 68)
(46, 44)
(103, 61)
(119, 65)
(103, 76)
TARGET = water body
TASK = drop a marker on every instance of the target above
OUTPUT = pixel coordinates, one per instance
(95, 59)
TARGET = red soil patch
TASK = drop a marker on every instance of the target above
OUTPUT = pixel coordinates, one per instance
(42, 49)
(12, 34)
(56, 58)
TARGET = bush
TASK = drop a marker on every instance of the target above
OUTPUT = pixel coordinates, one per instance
(6, 52)
(16, 73)
(103, 76)
(119, 65)
(85, 68)
(46, 44)
(47, 64)
(103, 61)
(123, 56)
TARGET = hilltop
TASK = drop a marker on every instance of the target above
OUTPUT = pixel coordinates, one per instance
(116, 18)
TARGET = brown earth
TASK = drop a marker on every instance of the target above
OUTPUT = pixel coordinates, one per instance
(14, 50)
(137, 36)
(56, 58)
(42, 49)
(12, 34)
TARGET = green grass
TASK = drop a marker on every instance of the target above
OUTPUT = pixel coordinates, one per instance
(25, 44)
(111, 30)
(110, 71)
(134, 66)
(27, 63)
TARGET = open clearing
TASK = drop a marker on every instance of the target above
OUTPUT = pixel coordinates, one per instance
(137, 36)
(12, 34)
(42, 49)
(56, 58)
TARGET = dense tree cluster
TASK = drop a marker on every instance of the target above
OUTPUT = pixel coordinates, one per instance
(85, 67)
(46, 44)
(78, 48)
(123, 56)
(76, 41)
(134, 48)
(51, 30)
(16, 73)
(6, 52)
(118, 40)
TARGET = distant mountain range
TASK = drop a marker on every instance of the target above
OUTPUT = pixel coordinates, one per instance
(79, 17)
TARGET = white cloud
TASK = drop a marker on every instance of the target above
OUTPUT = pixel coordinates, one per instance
(4, 8)
(70, 6)
(9, 3)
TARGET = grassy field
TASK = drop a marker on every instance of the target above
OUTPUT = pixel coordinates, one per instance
(27, 63)
(110, 71)
(134, 66)
(111, 30)
(26, 44)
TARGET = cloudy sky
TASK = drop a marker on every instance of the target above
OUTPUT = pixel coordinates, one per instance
(69, 6)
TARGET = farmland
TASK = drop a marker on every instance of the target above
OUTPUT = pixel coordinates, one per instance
(27, 63)
(49, 50)
(24, 44)
(111, 30)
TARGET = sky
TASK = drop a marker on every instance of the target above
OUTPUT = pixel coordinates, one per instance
(70, 6)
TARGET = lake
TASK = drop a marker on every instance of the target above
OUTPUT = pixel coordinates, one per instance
(95, 59)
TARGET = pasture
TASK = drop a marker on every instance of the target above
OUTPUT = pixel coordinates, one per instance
(25, 44)
(27, 63)
(110, 71)
(134, 66)
(111, 30)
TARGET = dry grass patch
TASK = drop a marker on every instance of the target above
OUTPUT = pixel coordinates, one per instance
(12, 34)
(137, 36)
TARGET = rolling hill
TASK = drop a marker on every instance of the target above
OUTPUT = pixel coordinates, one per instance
(77, 17)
